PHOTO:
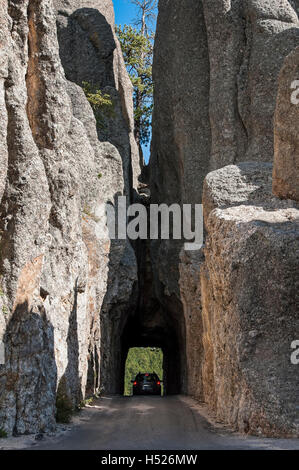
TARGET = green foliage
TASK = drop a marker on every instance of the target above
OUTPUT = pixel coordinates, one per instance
(5, 310)
(89, 400)
(137, 48)
(101, 103)
(3, 434)
(142, 360)
(1, 278)
(64, 406)
(84, 403)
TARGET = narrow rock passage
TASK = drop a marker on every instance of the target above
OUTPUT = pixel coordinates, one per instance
(169, 423)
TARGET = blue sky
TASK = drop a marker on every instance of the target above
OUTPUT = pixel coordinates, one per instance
(125, 13)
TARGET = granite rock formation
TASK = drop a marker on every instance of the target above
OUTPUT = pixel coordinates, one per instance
(216, 70)
(243, 303)
(216, 67)
(90, 52)
(72, 301)
(59, 276)
(218, 107)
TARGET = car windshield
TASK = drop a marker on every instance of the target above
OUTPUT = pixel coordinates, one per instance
(147, 378)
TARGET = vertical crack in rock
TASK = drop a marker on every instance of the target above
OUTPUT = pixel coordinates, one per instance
(35, 86)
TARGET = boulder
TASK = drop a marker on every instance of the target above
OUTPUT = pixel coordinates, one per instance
(239, 301)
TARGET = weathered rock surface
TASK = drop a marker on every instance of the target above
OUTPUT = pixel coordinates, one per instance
(216, 68)
(248, 42)
(286, 142)
(216, 71)
(70, 306)
(247, 183)
(239, 303)
(56, 268)
(90, 52)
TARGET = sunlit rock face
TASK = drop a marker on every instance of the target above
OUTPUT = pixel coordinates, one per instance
(248, 293)
(238, 295)
(216, 70)
(59, 276)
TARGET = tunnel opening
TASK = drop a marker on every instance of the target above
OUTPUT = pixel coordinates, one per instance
(152, 325)
(142, 360)
(155, 331)
(151, 319)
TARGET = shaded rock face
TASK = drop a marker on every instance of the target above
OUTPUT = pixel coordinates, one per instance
(90, 53)
(59, 276)
(286, 144)
(216, 70)
(248, 41)
(216, 66)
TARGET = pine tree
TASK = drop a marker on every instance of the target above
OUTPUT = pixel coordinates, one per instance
(137, 47)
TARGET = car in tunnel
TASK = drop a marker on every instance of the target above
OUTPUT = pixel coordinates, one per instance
(147, 384)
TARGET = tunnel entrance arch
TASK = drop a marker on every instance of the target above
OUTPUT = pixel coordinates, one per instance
(157, 331)
(152, 319)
